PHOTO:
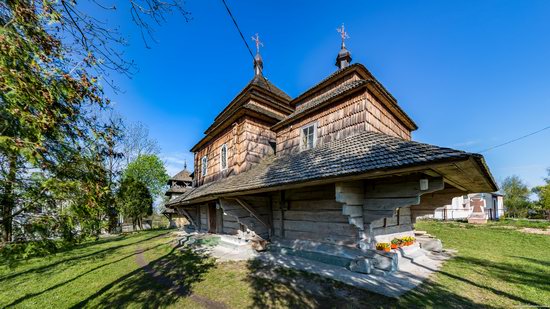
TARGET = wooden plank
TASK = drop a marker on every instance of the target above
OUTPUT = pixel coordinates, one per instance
(321, 216)
(392, 229)
(315, 204)
(349, 240)
(309, 193)
(320, 227)
(231, 231)
(230, 224)
(400, 189)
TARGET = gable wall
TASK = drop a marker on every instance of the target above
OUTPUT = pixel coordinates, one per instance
(355, 114)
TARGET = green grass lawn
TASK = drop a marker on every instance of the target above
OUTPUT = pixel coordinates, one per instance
(496, 266)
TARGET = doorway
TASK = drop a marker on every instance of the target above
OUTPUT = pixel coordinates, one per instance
(212, 218)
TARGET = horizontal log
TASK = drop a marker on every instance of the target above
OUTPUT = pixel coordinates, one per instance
(320, 227)
(314, 204)
(231, 231)
(309, 193)
(390, 203)
(231, 224)
(317, 216)
(410, 188)
(392, 229)
(350, 240)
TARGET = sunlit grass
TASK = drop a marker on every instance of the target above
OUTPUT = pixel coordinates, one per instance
(494, 267)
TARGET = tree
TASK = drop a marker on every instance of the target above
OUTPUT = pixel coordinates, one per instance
(136, 142)
(150, 170)
(516, 196)
(134, 200)
(543, 194)
(53, 56)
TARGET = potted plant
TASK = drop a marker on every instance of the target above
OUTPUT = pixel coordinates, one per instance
(408, 240)
(383, 246)
(395, 243)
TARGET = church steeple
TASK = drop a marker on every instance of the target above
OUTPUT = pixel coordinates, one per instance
(258, 62)
(344, 56)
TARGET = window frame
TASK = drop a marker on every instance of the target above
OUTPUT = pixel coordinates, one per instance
(222, 148)
(204, 166)
(303, 144)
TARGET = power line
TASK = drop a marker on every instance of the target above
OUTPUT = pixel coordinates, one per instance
(239, 29)
(514, 140)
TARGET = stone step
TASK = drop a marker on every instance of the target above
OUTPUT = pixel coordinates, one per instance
(430, 244)
(410, 253)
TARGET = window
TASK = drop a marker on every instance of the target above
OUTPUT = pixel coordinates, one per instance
(223, 157)
(309, 136)
(204, 166)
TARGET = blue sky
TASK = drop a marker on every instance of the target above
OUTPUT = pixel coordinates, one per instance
(472, 74)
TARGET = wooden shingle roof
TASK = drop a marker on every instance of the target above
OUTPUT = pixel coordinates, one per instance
(362, 154)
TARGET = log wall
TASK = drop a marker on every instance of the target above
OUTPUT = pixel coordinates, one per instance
(312, 214)
(400, 224)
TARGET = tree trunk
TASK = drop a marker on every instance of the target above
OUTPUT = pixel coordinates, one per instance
(8, 199)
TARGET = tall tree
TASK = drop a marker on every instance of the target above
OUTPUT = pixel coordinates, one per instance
(150, 170)
(516, 196)
(53, 56)
(135, 200)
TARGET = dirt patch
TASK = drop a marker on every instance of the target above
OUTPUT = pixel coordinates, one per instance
(531, 230)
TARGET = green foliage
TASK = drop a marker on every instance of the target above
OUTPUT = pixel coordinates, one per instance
(149, 170)
(543, 193)
(516, 197)
(134, 200)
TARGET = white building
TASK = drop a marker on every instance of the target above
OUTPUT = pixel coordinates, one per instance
(462, 207)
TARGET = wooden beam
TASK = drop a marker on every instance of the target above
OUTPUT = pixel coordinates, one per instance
(254, 214)
(383, 197)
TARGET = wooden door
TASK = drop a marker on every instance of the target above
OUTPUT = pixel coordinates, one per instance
(212, 218)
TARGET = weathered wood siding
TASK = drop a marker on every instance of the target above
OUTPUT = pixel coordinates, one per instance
(247, 141)
(312, 214)
(357, 113)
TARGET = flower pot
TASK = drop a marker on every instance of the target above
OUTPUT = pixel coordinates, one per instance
(394, 246)
(386, 249)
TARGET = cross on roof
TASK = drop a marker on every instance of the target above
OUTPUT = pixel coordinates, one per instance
(258, 42)
(343, 34)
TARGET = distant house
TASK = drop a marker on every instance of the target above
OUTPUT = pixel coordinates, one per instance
(332, 170)
(462, 207)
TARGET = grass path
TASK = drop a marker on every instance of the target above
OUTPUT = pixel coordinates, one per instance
(495, 266)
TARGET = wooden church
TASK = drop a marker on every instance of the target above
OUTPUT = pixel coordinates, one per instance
(334, 168)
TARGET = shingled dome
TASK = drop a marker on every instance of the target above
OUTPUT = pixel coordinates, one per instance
(184, 175)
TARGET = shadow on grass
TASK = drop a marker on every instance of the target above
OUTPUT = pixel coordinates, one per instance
(275, 287)
(432, 294)
(76, 259)
(58, 285)
(278, 287)
(158, 283)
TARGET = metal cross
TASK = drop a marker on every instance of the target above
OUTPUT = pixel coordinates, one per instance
(343, 34)
(258, 43)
